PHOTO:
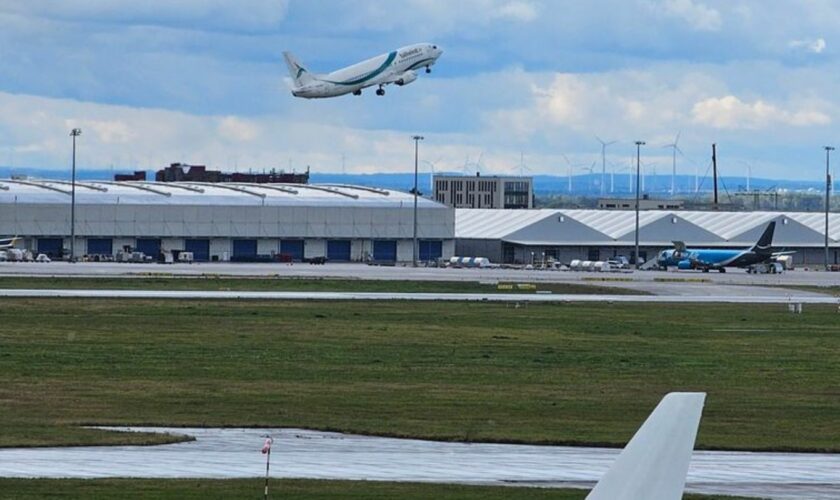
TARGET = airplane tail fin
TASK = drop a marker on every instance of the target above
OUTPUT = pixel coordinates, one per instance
(765, 243)
(654, 464)
(299, 74)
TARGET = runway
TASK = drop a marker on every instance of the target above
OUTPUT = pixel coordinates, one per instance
(234, 453)
(786, 298)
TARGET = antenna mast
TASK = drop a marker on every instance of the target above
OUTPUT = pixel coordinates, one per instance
(714, 172)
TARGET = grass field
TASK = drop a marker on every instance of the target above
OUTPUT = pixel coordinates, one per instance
(552, 373)
(211, 283)
(23, 489)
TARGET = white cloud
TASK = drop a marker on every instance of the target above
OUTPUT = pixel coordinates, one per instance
(195, 14)
(517, 11)
(697, 14)
(816, 46)
(107, 131)
(237, 129)
(729, 112)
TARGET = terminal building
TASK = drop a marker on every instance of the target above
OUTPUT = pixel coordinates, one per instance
(529, 236)
(484, 192)
(225, 221)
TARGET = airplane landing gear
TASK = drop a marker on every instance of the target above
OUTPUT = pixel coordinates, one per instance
(357, 92)
(428, 69)
(722, 269)
(380, 91)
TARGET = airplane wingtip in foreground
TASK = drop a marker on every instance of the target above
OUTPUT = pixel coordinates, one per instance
(654, 464)
(397, 67)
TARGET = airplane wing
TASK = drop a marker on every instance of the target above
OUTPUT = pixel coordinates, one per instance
(679, 246)
(775, 255)
(654, 464)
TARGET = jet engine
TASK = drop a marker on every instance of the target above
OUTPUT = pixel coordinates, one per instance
(685, 264)
(406, 78)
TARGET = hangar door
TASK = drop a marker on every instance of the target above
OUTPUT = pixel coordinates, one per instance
(244, 249)
(100, 246)
(149, 246)
(200, 249)
(430, 250)
(385, 250)
(338, 250)
(52, 247)
(292, 248)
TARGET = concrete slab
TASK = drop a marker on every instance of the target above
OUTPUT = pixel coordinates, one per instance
(235, 453)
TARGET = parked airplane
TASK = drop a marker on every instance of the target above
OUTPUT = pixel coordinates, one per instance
(399, 67)
(713, 258)
(654, 464)
(7, 243)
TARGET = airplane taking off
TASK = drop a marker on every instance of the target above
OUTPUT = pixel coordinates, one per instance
(654, 464)
(713, 258)
(398, 67)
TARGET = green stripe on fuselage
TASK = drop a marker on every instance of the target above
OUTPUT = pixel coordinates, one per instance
(420, 64)
(369, 76)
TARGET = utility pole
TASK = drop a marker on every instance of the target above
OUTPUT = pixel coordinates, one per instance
(639, 145)
(828, 150)
(714, 172)
(76, 132)
(417, 139)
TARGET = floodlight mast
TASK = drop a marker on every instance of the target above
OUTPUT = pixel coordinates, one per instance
(76, 132)
(828, 150)
(639, 145)
(416, 139)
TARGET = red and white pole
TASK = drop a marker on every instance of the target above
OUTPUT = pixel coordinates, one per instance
(266, 450)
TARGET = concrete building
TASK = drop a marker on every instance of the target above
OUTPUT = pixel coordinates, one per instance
(484, 192)
(226, 221)
(180, 172)
(524, 236)
(645, 203)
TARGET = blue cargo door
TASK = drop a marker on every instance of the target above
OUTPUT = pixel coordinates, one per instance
(292, 248)
(52, 247)
(149, 246)
(244, 250)
(385, 250)
(338, 250)
(200, 249)
(100, 246)
(430, 250)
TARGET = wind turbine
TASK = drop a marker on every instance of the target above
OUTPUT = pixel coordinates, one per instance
(476, 164)
(604, 163)
(591, 170)
(674, 148)
(432, 176)
(749, 173)
(570, 166)
(522, 166)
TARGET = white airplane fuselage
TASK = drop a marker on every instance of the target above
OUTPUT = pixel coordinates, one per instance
(397, 67)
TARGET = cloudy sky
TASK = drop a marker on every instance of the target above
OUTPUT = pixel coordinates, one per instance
(202, 81)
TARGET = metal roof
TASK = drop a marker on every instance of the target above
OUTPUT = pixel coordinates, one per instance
(194, 193)
(655, 226)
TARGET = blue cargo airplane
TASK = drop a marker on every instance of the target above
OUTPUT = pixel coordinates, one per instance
(712, 258)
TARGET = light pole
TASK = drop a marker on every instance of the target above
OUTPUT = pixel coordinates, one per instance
(639, 145)
(828, 150)
(76, 132)
(417, 139)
